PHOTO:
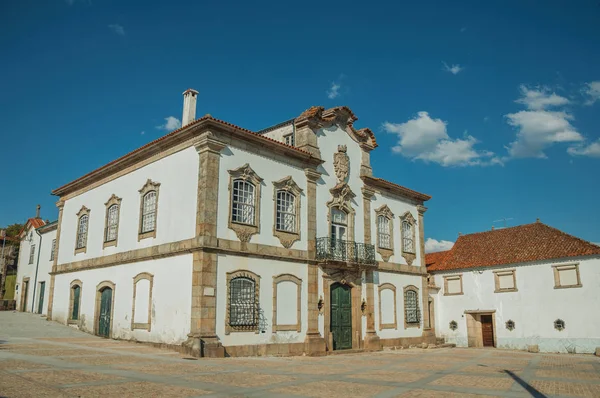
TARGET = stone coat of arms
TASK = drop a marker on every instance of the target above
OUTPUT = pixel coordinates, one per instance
(341, 163)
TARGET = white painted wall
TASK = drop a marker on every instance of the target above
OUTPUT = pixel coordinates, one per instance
(533, 308)
(171, 298)
(400, 281)
(398, 207)
(269, 170)
(25, 269)
(176, 214)
(266, 269)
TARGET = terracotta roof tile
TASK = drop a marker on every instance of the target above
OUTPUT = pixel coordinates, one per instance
(524, 243)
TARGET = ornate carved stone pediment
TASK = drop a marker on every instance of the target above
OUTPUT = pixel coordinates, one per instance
(341, 195)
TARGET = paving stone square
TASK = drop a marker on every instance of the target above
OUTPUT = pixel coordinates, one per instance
(33, 364)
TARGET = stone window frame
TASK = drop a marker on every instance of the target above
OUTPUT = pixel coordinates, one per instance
(384, 211)
(560, 267)
(84, 211)
(256, 278)
(70, 319)
(419, 315)
(53, 250)
(342, 197)
(382, 325)
(244, 232)
(99, 288)
(31, 253)
(298, 325)
(504, 272)
(410, 257)
(287, 184)
(291, 141)
(112, 201)
(452, 277)
(149, 277)
(148, 187)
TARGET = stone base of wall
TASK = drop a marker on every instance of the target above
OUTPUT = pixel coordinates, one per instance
(407, 341)
(263, 350)
(8, 305)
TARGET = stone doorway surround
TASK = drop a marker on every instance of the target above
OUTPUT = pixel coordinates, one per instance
(474, 331)
(354, 280)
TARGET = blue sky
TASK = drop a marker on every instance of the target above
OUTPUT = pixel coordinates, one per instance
(493, 108)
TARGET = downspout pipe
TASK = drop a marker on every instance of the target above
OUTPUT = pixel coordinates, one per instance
(37, 265)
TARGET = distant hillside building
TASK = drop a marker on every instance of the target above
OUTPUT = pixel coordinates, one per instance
(519, 287)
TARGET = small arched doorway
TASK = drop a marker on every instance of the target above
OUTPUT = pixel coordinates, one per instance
(341, 316)
(104, 309)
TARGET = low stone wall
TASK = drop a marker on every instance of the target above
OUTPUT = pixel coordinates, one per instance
(407, 341)
(8, 305)
(262, 350)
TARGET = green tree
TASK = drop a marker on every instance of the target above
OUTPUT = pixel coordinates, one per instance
(13, 230)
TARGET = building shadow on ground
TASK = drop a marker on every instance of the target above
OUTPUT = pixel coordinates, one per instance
(531, 390)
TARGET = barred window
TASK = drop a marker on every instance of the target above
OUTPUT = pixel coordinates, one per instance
(112, 221)
(148, 212)
(242, 302)
(407, 237)
(31, 254)
(411, 306)
(286, 212)
(383, 232)
(82, 231)
(53, 249)
(242, 204)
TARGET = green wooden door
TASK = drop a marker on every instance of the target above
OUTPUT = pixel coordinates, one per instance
(105, 312)
(24, 293)
(341, 316)
(41, 301)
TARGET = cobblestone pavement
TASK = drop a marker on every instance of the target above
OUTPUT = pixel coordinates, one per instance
(44, 359)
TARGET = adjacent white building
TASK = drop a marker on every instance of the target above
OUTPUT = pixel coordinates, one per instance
(236, 242)
(526, 287)
(37, 253)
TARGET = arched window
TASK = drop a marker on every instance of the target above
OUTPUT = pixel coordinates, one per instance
(112, 222)
(286, 212)
(149, 212)
(383, 232)
(82, 231)
(408, 243)
(242, 302)
(412, 315)
(242, 203)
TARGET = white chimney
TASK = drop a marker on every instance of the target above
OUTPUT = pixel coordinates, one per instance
(189, 106)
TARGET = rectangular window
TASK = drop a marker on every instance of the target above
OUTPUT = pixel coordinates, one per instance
(566, 276)
(383, 230)
(286, 212)
(289, 139)
(31, 254)
(505, 281)
(242, 210)
(453, 285)
(53, 249)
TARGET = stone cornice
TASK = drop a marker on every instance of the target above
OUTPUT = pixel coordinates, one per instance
(395, 189)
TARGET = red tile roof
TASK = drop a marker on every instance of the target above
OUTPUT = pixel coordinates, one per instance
(524, 243)
(34, 222)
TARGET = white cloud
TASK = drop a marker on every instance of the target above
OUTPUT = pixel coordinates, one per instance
(592, 92)
(540, 98)
(463, 29)
(334, 90)
(454, 69)
(118, 29)
(427, 139)
(171, 123)
(591, 150)
(432, 245)
(537, 130)
(142, 133)
(485, 119)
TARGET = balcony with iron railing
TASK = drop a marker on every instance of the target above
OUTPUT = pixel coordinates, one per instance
(344, 251)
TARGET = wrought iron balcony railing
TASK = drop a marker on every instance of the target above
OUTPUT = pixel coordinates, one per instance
(346, 251)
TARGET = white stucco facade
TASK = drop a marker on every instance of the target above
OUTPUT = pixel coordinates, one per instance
(533, 307)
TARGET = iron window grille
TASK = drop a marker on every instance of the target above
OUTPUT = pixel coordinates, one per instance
(383, 230)
(286, 212)
(411, 307)
(510, 325)
(559, 325)
(31, 254)
(82, 231)
(53, 249)
(242, 204)
(112, 223)
(148, 213)
(407, 234)
(243, 308)
(329, 249)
